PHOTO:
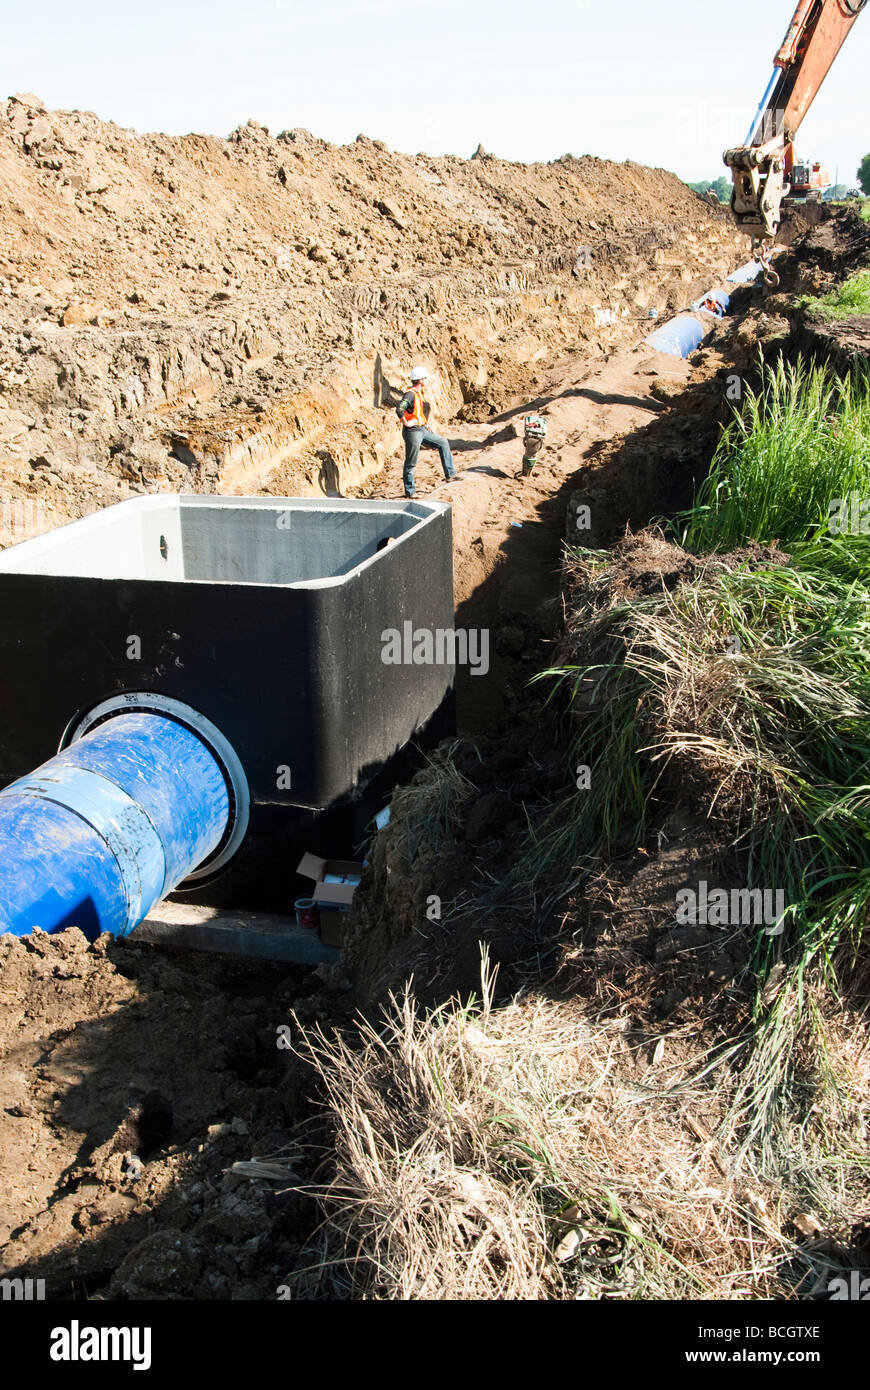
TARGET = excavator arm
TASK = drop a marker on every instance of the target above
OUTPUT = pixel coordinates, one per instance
(761, 167)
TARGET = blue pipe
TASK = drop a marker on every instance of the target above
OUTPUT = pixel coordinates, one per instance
(679, 336)
(104, 830)
(745, 274)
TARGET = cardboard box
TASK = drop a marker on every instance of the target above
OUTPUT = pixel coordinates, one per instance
(335, 882)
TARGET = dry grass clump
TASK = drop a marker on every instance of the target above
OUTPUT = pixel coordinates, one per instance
(427, 813)
(534, 1152)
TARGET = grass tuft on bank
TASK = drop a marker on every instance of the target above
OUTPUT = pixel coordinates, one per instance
(800, 443)
(534, 1151)
(849, 299)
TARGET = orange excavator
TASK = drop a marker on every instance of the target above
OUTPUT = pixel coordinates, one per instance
(808, 179)
(763, 167)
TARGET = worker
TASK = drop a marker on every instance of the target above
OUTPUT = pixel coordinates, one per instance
(413, 412)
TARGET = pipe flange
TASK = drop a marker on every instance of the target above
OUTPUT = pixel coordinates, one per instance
(151, 702)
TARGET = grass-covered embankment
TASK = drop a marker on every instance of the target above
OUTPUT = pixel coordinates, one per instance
(847, 300)
(753, 682)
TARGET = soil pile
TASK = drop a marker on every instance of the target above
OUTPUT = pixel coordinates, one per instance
(237, 315)
(133, 1079)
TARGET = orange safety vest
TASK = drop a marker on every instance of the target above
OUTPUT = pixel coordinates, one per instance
(416, 419)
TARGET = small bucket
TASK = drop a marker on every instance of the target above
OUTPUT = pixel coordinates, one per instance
(306, 913)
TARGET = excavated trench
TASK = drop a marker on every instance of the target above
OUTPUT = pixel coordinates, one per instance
(121, 1158)
(135, 1078)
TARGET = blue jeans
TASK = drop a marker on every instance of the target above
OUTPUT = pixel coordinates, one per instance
(415, 440)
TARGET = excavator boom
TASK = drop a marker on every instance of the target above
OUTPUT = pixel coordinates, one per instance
(807, 54)
(760, 167)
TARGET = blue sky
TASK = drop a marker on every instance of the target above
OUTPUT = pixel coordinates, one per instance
(664, 82)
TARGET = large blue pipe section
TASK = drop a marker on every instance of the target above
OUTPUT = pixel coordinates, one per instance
(745, 274)
(678, 337)
(100, 833)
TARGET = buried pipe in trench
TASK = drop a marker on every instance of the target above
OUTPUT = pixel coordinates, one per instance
(745, 274)
(101, 832)
(680, 336)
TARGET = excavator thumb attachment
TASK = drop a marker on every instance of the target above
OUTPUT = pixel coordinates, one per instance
(758, 172)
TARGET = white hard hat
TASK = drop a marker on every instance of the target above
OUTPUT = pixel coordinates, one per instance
(419, 374)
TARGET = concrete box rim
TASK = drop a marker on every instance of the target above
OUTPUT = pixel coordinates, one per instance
(37, 548)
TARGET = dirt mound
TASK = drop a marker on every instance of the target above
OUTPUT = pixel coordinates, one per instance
(647, 563)
(237, 315)
(826, 247)
(836, 240)
(133, 1079)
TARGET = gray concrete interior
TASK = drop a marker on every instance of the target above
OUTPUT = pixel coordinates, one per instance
(231, 540)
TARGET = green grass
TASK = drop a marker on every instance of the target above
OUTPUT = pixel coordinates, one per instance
(803, 710)
(799, 443)
(865, 210)
(779, 732)
(849, 299)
